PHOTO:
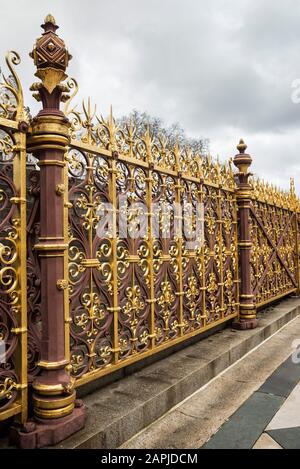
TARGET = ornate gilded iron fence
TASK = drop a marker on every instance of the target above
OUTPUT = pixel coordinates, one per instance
(13, 318)
(201, 246)
(274, 258)
(130, 298)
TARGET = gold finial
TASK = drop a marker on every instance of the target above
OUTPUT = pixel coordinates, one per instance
(292, 186)
(49, 25)
(242, 147)
(50, 19)
(242, 160)
(177, 152)
(111, 118)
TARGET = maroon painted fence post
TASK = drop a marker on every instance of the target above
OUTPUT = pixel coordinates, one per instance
(247, 317)
(57, 414)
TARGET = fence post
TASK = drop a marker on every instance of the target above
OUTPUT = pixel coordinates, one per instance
(247, 315)
(56, 413)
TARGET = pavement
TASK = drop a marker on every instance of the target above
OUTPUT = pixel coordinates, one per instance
(269, 418)
(255, 403)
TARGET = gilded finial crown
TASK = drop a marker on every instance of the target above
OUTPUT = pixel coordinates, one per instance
(49, 24)
(50, 19)
(241, 147)
(292, 186)
(50, 56)
(50, 49)
(242, 160)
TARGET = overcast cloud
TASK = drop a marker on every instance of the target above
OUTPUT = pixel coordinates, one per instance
(223, 69)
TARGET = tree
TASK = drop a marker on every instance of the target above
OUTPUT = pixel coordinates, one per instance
(173, 132)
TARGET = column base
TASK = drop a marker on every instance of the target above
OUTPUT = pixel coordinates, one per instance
(39, 433)
(244, 324)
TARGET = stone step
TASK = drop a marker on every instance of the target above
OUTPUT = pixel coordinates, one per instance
(123, 408)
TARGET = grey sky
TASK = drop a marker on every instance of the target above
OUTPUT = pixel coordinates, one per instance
(221, 68)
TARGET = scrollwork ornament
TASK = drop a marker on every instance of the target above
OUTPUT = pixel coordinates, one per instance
(11, 94)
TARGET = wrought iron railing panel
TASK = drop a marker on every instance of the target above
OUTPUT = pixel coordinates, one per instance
(90, 261)
(137, 293)
(13, 320)
(274, 259)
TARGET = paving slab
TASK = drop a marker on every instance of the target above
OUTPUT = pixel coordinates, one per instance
(246, 425)
(283, 380)
(266, 442)
(289, 414)
(288, 438)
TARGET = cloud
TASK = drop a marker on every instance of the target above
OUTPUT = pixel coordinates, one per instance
(223, 68)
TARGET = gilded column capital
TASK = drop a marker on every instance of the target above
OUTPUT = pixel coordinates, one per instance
(48, 132)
